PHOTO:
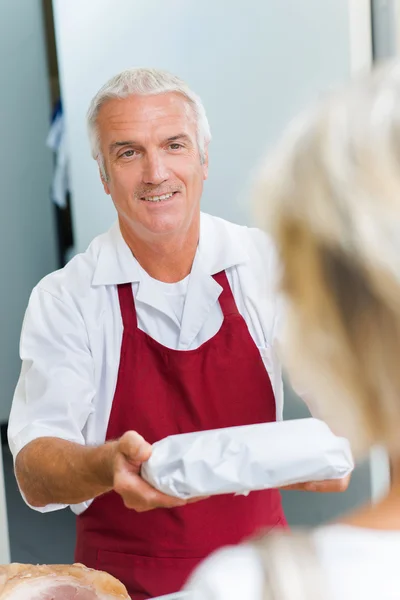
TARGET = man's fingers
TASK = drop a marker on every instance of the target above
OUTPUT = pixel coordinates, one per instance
(327, 486)
(193, 500)
(140, 496)
(135, 449)
(136, 493)
(334, 485)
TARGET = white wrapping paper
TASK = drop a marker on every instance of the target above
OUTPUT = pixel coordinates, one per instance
(243, 459)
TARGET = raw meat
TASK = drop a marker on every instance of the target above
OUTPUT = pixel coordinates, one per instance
(58, 582)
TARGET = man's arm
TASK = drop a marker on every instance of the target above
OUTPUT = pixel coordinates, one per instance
(55, 393)
(55, 471)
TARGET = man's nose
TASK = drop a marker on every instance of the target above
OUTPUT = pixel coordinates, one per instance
(155, 171)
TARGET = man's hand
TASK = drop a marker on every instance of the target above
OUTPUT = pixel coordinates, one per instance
(56, 471)
(330, 485)
(131, 451)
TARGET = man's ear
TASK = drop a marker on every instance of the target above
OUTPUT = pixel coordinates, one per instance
(103, 179)
(205, 163)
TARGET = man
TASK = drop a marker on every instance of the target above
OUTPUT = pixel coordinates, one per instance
(165, 325)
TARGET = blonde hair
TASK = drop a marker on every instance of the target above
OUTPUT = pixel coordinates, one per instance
(330, 196)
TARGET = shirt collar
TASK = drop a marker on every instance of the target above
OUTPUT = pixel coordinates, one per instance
(220, 244)
(218, 250)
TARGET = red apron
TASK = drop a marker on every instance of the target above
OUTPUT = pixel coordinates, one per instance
(161, 392)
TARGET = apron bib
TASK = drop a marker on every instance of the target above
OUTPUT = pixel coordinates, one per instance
(161, 392)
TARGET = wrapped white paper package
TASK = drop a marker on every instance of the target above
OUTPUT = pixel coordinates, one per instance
(242, 459)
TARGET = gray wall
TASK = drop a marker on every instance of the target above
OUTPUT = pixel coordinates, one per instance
(27, 239)
(254, 64)
(385, 28)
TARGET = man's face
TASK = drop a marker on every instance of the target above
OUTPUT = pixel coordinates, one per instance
(154, 171)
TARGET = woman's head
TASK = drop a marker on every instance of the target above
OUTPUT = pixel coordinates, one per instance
(330, 196)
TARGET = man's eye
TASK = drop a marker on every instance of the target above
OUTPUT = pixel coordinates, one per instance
(128, 153)
(175, 146)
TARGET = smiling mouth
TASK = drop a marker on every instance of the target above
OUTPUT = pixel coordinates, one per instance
(158, 198)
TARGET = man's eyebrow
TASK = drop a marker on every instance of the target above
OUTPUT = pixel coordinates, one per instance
(179, 136)
(118, 144)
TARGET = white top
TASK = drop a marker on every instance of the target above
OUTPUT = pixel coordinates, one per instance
(72, 331)
(356, 564)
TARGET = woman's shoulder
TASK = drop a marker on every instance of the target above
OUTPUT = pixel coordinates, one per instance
(340, 536)
(358, 562)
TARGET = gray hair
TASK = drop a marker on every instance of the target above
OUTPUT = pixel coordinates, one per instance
(330, 196)
(145, 82)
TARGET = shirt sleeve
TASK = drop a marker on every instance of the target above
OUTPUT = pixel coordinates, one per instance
(55, 391)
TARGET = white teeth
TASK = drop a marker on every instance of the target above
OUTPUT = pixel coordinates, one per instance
(158, 198)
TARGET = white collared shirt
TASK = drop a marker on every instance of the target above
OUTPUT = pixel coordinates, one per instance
(354, 562)
(72, 331)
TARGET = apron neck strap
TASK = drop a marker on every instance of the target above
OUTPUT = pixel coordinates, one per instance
(226, 299)
(127, 306)
(128, 309)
